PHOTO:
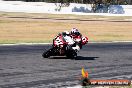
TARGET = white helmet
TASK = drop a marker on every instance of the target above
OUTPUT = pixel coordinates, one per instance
(74, 30)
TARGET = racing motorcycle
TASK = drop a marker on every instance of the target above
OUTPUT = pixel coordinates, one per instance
(65, 46)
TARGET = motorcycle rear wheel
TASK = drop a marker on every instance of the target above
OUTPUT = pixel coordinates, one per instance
(72, 55)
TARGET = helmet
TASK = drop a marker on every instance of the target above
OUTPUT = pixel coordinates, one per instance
(65, 33)
(75, 31)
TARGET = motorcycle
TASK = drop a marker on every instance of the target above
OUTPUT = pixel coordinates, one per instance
(65, 46)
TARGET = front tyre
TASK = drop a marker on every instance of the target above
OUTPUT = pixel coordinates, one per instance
(48, 53)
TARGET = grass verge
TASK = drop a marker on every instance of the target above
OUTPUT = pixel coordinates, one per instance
(40, 28)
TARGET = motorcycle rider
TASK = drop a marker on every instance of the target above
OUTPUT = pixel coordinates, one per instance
(77, 37)
(73, 38)
(67, 37)
(73, 34)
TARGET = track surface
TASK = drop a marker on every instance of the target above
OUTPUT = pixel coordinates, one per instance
(22, 66)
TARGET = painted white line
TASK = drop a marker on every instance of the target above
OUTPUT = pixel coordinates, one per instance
(122, 41)
(25, 44)
(113, 42)
(51, 43)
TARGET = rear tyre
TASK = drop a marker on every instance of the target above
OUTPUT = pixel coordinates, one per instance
(72, 54)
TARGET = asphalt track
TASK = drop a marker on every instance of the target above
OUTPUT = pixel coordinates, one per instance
(22, 66)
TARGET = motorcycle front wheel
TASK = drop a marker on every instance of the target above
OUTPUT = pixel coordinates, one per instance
(48, 53)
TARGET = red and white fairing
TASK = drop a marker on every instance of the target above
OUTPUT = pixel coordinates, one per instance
(84, 40)
(59, 40)
(79, 38)
(68, 40)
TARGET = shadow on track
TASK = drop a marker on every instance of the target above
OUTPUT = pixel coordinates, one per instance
(58, 57)
(85, 58)
(78, 58)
